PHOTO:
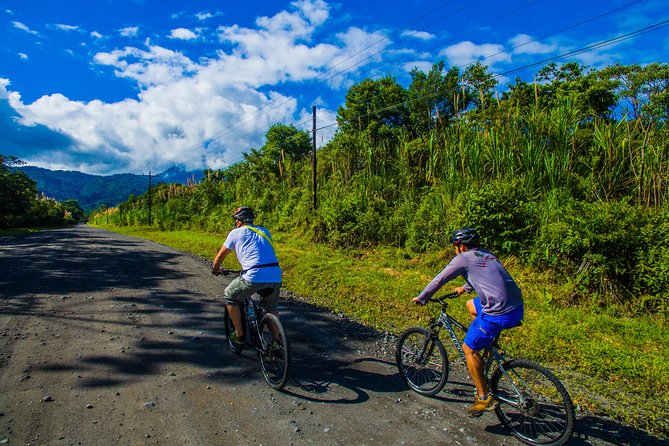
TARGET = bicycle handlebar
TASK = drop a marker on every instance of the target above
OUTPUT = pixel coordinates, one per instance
(441, 299)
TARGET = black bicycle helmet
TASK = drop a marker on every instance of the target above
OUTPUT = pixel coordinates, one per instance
(244, 214)
(465, 236)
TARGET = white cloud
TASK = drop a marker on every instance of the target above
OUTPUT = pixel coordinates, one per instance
(96, 34)
(466, 53)
(422, 35)
(183, 102)
(66, 28)
(156, 66)
(525, 44)
(23, 56)
(202, 16)
(24, 27)
(129, 31)
(183, 34)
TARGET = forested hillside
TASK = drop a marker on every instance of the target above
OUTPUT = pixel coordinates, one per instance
(94, 191)
(569, 173)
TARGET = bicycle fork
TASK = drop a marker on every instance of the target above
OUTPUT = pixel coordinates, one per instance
(427, 348)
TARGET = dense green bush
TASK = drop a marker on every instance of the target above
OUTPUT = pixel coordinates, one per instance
(503, 212)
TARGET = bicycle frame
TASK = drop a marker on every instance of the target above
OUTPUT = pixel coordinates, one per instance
(445, 320)
(252, 328)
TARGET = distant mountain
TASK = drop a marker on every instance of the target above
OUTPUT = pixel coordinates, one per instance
(93, 191)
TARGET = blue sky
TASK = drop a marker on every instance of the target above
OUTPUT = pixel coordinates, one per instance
(111, 86)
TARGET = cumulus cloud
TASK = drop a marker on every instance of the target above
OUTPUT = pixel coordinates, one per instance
(26, 141)
(66, 28)
(182, 34)
(526, 44)
(96, 35)
(129, 31)
(211, 109)
(466, 53)
(23, 56)
(421, 35)
(155, 66)
(206, 15)
(24, 27)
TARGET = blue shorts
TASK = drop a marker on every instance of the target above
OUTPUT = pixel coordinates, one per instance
(485, 328)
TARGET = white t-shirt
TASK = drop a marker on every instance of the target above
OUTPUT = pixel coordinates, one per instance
(253, 249)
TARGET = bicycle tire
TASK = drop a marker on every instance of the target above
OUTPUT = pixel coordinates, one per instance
(423, 374)
(545, 415)
(230, 328)
(274, 352)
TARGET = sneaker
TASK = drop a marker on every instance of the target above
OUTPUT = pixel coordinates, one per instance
(481, 405)
(239, 340)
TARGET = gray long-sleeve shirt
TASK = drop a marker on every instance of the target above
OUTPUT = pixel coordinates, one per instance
(484, 274)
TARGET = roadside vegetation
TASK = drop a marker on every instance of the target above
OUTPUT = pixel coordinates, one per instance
(22, 206)
(566, 179)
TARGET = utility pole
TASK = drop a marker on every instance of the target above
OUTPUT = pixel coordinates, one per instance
(313, 157)
(149, 197)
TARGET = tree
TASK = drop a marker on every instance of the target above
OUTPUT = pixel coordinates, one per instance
(377, 107)
(433, 97)
(592, 94)
(478, 86)
(17, 190)
(283, 145)
(74, 209)
(643, 92)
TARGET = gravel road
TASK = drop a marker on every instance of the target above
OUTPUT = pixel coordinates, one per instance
(112, 340)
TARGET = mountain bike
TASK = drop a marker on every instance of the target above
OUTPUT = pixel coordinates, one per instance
(533, 404)
(264, 333)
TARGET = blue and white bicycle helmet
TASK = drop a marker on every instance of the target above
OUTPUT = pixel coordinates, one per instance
(465, 236)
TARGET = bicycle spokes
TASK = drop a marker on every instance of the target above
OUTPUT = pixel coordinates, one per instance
(422, 361)
(536, 406)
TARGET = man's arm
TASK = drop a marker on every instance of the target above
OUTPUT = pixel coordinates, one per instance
(456, 268)
(218, 260)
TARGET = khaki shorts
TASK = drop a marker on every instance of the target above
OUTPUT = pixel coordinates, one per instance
(239, 289)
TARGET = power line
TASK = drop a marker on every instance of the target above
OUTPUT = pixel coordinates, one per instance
(591, 19)
(597, 45)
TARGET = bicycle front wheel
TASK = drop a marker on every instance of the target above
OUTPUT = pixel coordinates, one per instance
(534, 405)
(274, 352)
(422, 361)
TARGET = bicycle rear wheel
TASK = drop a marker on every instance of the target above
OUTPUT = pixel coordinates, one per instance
(540, 411)
(422, 361)
(274, 352)
(229, 329)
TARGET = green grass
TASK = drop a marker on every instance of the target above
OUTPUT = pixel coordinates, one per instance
(20, 231)
(612, 364)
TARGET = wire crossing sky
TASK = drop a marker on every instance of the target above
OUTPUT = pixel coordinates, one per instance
(112, 86)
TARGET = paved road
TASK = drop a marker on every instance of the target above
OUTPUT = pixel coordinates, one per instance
(110, 340)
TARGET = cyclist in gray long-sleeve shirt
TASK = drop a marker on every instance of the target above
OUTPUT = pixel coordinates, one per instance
(499, 305)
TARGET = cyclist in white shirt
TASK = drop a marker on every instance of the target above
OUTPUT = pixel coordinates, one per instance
(260, 268)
